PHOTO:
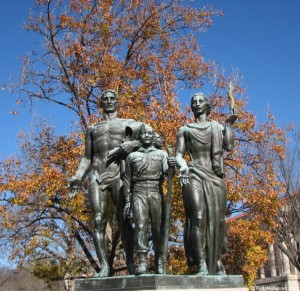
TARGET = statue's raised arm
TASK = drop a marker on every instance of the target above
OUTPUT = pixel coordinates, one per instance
(228, 136)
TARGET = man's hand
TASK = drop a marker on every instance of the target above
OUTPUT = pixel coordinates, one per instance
(184, 175)
(126, 212)
(171, 162)
(128, 147)
(122, 151)
(75, 186)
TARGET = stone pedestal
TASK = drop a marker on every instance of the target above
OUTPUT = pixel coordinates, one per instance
(162, 282)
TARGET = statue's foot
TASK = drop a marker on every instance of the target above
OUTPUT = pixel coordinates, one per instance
(202, 269)
(141, 269)
(143, 264)
(202, 272)
(220, 269)
(131, 269)
(160, 267)
(103, 273)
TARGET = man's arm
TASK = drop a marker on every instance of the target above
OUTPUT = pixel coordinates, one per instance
(129, 145)
(180, 161)
(84, 166)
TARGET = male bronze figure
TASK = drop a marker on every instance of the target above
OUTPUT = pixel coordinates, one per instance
(105, 176)
(204, 191)
(144, 174)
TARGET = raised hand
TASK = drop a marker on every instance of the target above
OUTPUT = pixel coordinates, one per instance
(233, 117)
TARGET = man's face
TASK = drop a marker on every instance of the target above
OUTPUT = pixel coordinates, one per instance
(158, 140)
(199, 104)
(147, 136)
(109, 102)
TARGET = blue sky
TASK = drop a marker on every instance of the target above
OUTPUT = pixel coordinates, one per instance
(260, 38)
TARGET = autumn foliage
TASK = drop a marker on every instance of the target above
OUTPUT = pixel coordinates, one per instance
(148, 51)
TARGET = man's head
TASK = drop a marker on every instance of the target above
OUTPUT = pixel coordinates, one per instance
(109, 101)
(158, 141)
(146, 135)
(200, 104)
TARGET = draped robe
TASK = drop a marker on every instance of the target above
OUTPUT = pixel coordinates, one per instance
(209, 185)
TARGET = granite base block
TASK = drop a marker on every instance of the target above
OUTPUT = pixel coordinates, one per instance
(162, 282)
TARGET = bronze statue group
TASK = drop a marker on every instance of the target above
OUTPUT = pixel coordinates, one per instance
(123, 158)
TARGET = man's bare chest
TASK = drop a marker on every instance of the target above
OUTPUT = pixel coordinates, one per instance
(108, 130)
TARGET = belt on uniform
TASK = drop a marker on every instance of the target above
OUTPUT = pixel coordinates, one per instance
(147, 182)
